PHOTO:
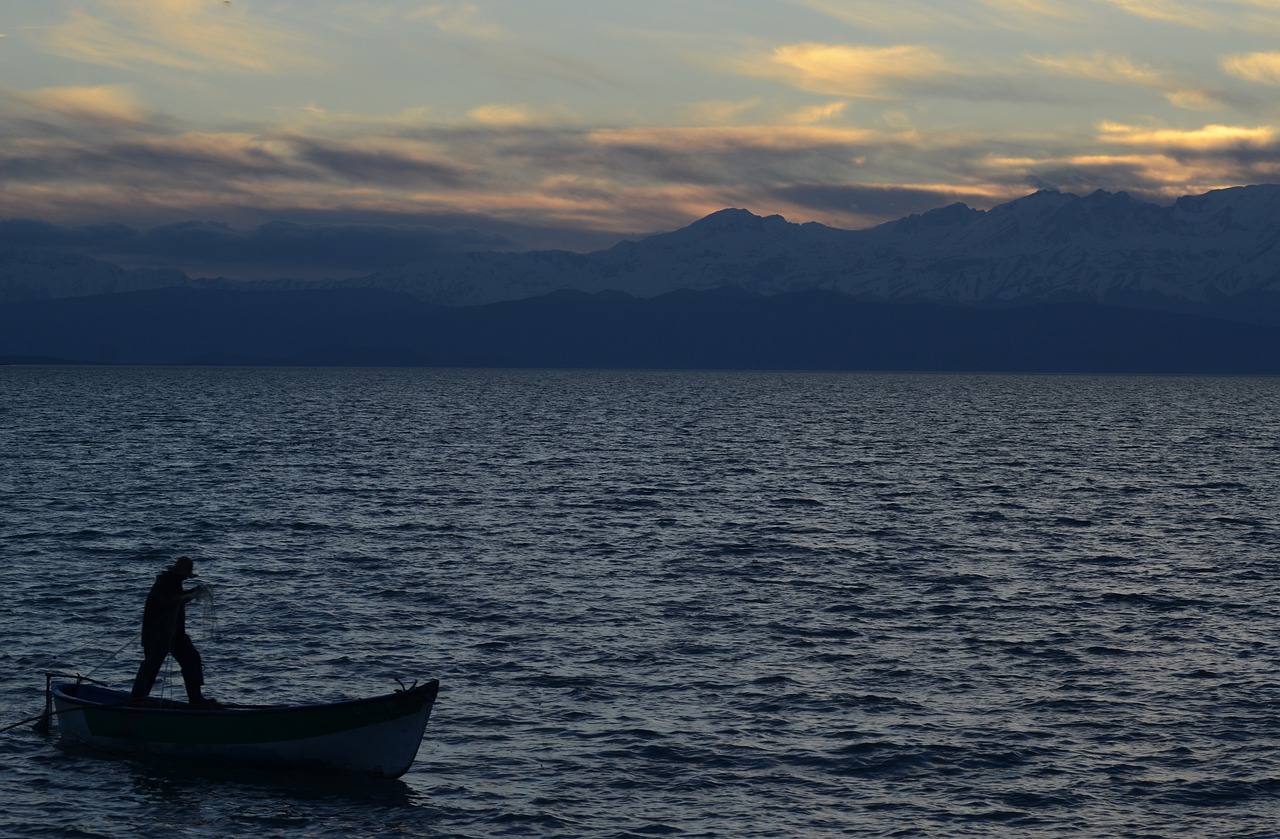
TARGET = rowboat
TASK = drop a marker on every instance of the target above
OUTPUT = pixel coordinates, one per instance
(377, 736)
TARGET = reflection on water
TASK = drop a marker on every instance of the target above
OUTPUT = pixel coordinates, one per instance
(158, 780)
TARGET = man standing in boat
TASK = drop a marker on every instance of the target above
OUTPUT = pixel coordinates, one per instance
(164, 633)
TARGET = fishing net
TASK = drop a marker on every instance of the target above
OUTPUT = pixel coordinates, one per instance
(202, 598)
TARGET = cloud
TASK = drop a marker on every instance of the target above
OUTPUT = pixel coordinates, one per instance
(1120, 70)
(875, 202)
(313, 119)
(511, 116)
(867, 72)
(1102, 67)
(1170, 11)
(721, 111)
(495, 49)
(896, 73)
(818, 113)
(109, 104)
(1194, 100)
(536, 185)
(893, 15)
(1261, 67)
(462, 19)
(1207, 15)
(785, 139)
(1207, 138)
(898, 16)
(775, 167)
(1164, 163)
(1050, 10)
(519, 174)
(187, 35)
(390, 161)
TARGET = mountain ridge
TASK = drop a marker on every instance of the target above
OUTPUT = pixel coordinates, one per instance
(1044, 246)
(1206, 253)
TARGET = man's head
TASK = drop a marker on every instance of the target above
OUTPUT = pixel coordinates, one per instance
(184, 566)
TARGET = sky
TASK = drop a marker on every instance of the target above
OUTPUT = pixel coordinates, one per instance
(251, 138)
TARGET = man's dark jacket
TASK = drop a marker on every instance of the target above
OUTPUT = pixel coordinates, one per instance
(164, 617)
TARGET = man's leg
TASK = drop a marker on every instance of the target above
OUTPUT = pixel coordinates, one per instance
(188, 658)
(147, 671)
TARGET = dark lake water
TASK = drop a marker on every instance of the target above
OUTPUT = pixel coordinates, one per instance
(665, 604)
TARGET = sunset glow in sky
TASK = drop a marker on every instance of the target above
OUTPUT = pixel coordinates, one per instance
(521, 124)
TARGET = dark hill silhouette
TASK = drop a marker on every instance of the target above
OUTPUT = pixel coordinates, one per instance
(717, 329)
(202, 326)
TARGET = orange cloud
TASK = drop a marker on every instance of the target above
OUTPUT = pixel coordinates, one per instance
(1208, 138)
(1193, 100)
(856, 71)
(1167, 176)
(512, 116)
(1261, 67)
(97, 104)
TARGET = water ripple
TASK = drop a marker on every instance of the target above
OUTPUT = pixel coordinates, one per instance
(666, 603)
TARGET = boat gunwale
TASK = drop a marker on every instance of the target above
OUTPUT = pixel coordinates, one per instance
(423, 693)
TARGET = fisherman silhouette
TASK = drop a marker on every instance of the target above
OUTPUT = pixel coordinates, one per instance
(164, 633)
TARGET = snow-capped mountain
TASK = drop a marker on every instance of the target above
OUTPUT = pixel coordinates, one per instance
(1105, 247)
(1218, 250)
(1101, 247)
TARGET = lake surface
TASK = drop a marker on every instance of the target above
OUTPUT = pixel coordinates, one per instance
(665, 604)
